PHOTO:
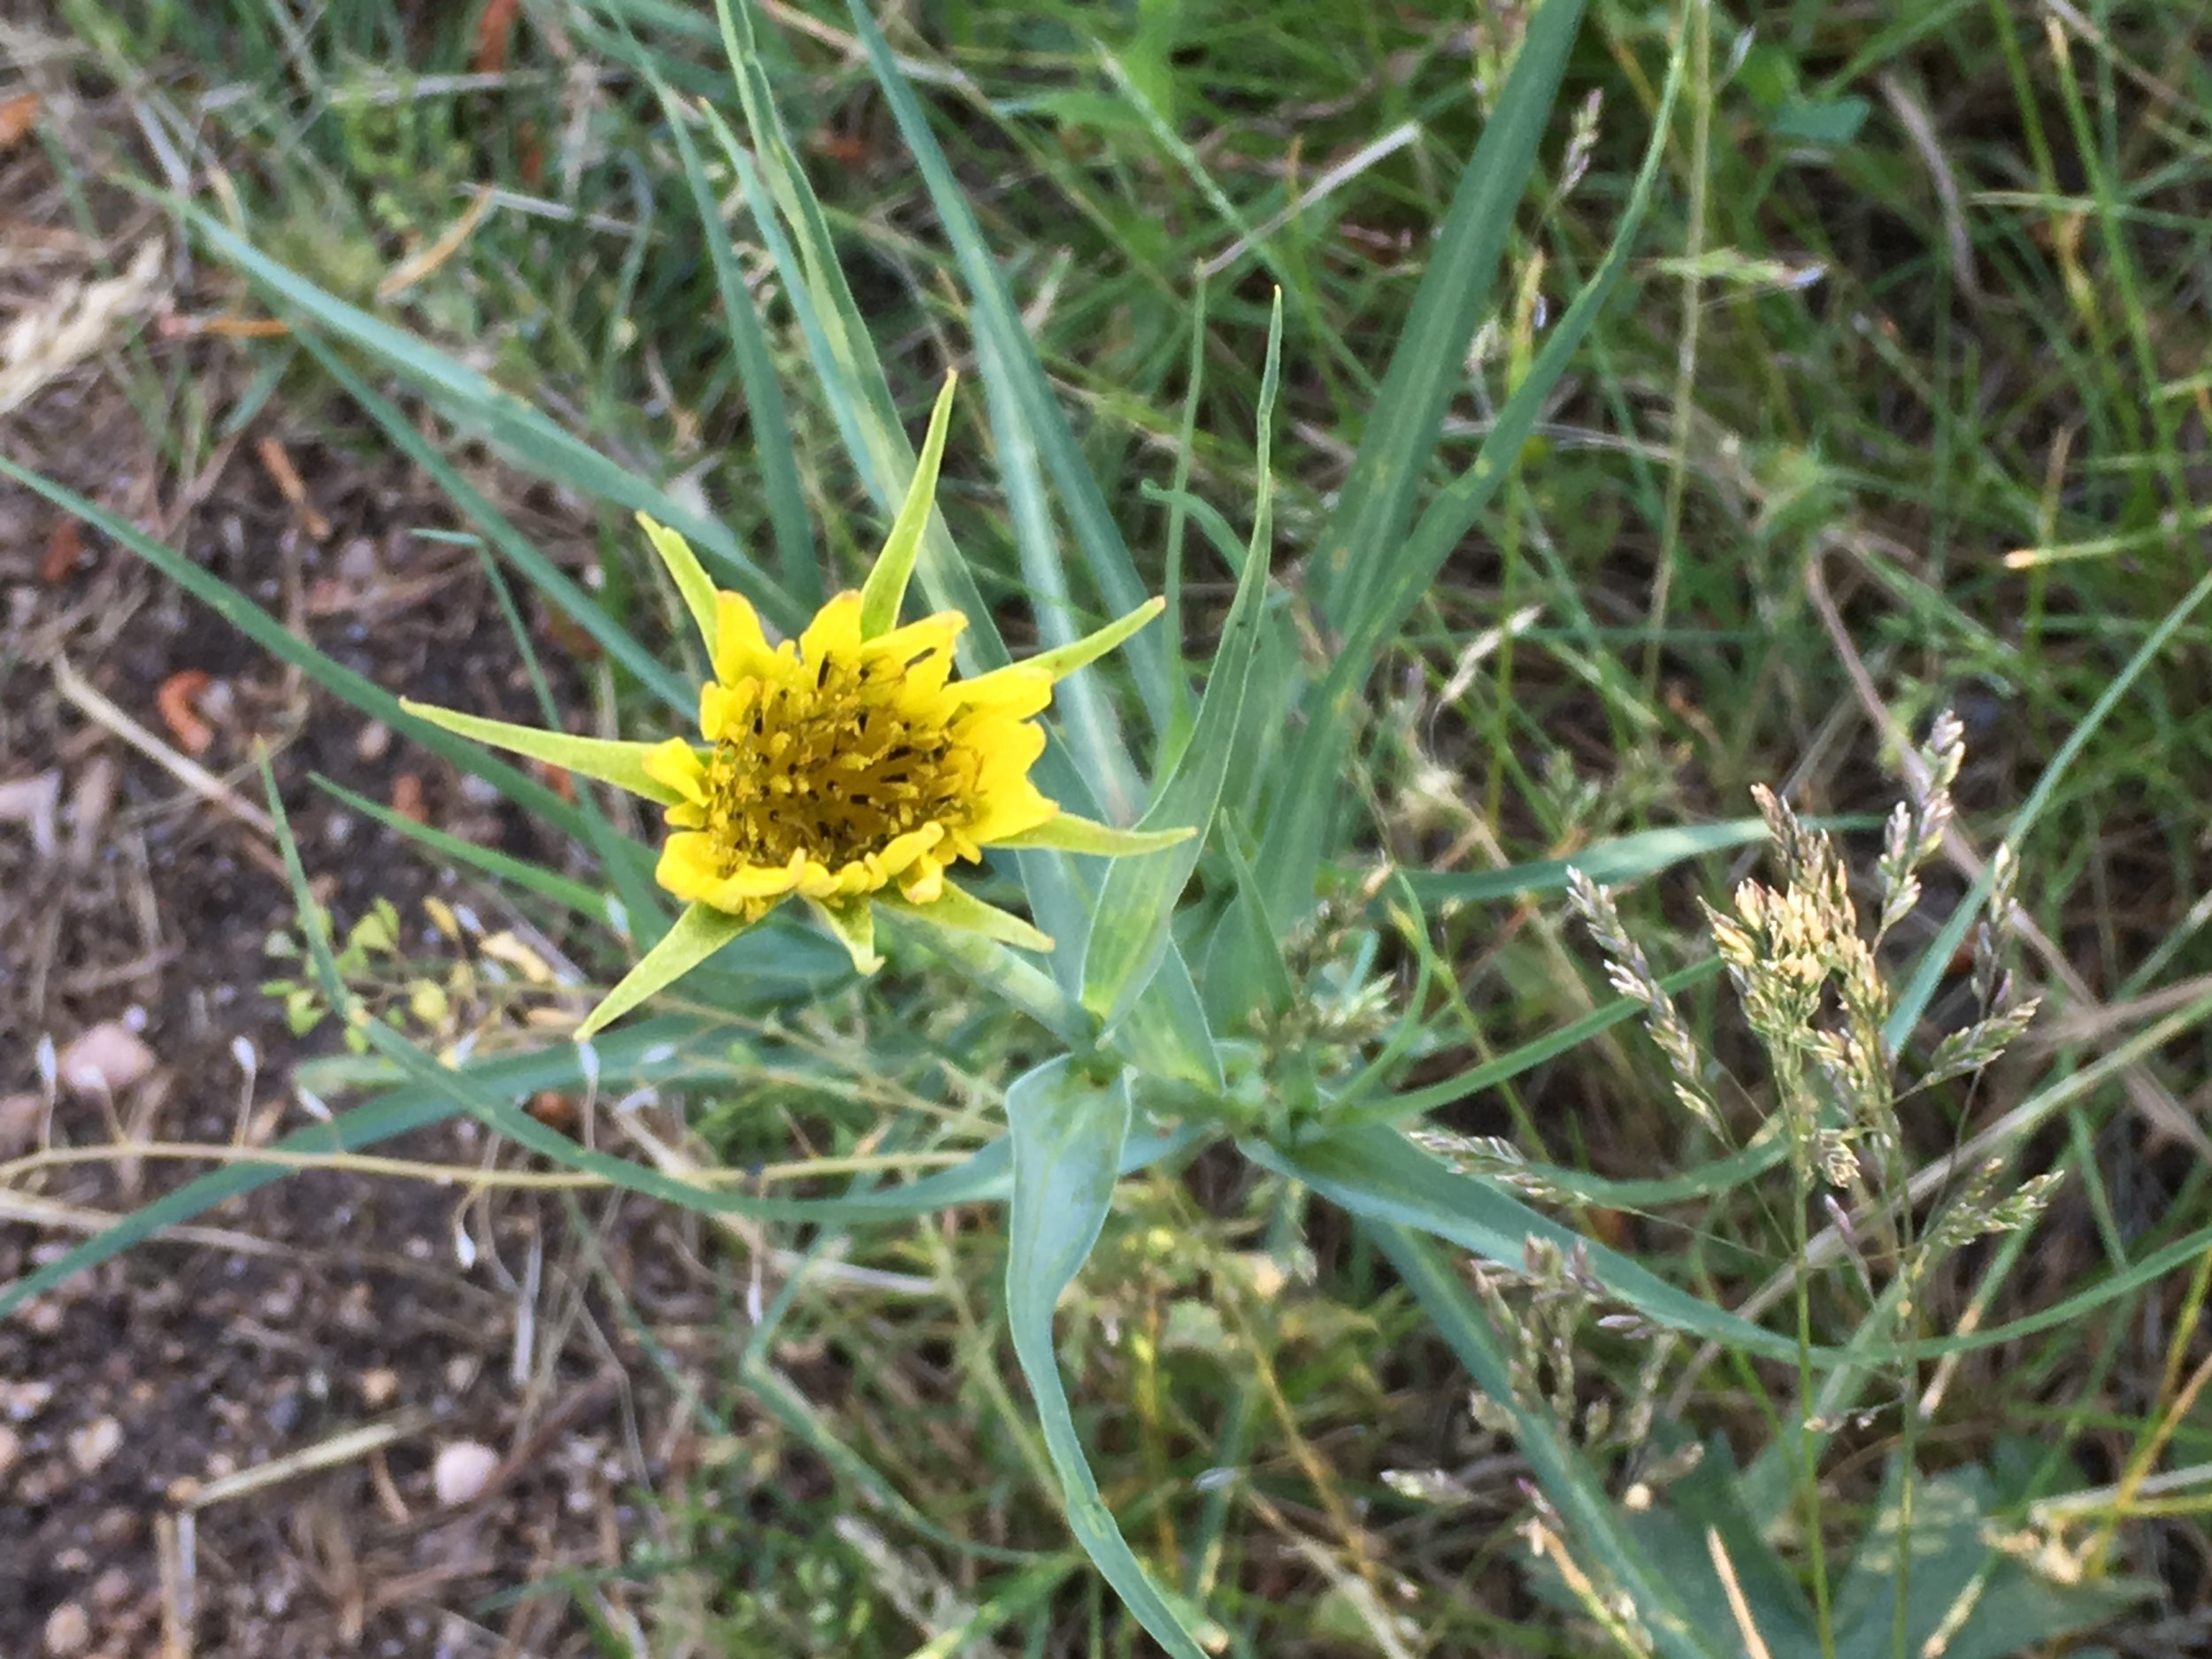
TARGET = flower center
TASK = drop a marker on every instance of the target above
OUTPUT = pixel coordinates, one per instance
(835, 766)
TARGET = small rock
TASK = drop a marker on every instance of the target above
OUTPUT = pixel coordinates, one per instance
(112, 1586)
(10, 1450)
(372, 742)
(462, 1471)
(24, 1400)
(357, 561)
(94, 1444)
(68, 1631)
(105, 1060)
(378, 1388)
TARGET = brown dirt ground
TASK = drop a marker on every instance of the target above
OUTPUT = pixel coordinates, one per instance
(329, 1302)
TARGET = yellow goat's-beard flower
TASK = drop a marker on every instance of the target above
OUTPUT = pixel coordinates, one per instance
(849, 768)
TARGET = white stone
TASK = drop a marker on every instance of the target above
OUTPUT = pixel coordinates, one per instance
(462, 1472)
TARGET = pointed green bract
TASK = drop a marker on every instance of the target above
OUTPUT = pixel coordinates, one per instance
(698, 933)
(1064, 660)
(1133, 925)
(690, 577)
(608, 759)
(962, 912)
(885, 589)
(854, 926)
(1065, 832)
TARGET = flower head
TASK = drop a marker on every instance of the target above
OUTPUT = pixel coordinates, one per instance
(849, 768)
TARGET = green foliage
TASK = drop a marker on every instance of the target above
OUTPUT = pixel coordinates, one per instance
(1599, 460)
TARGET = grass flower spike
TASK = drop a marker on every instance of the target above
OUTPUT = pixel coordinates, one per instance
(847, 768)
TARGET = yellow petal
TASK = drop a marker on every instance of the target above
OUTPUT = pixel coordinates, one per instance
(1009, 810)
(834, 632)
(698, 933)
(622, 765)
(691, 581)
(740, 647)
(691, 869)
(885, 589)
(923, 651)
(724, 710)
(677, 766)
(902, 850)
(688, 866)
(1017, 689)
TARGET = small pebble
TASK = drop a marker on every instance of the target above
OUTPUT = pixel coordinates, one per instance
(462, 1471)
(24, 1400)
(67, 1630)
(94, 1443)
(105, 1060)
(378, 1388)
(10, 1450)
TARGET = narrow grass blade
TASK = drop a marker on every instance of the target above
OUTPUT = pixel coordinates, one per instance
(1067, 1134)
(574, 897)
(1359, 1105)
(1380, 1176)
(1573, 1488)
(1428, 365)
(266, 631)
(659, 1051)
(543, 447)
(768, 423)
(846, 361)
(996, 319)
(1136, 904)
(1608, 862)
(1398, 569)
(1935, 962)
(1085, 713)
(542, 575)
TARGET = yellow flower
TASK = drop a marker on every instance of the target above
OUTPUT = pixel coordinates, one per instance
(847, 768)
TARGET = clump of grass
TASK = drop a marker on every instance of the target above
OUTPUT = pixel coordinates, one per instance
(1811, 983)
(1789, 410)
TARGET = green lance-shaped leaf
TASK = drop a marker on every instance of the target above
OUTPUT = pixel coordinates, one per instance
(1136, 902)
(1067, 1132)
